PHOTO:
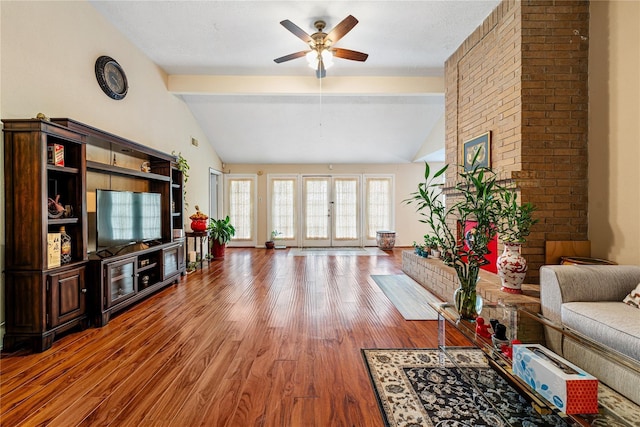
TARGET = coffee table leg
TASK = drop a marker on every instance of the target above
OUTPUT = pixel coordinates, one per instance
(441, 331)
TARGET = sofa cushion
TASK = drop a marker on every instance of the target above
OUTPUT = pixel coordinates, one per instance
(614, 324)
(633, 299)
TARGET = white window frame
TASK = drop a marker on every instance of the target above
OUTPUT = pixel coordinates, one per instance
(365, 221)
(296, 179)
(253, 241)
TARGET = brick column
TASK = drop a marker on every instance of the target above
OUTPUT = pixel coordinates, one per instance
(523, 76)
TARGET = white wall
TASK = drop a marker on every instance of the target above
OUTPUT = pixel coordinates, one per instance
(2, 229)
(48, 54)
(614, 130)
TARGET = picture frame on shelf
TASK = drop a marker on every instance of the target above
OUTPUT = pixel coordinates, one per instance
(480, 145)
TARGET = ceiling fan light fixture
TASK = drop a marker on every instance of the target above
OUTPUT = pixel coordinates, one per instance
(327, 58)
(313, 59)
(321, 53)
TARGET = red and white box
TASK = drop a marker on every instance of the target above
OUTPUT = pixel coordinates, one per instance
(55, 154)
(562, 383)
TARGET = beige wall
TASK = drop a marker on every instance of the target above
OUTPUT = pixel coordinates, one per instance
(407, 177)
(614, 130)
(48, 54)
(2, 232)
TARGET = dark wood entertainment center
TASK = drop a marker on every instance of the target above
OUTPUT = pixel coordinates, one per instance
(45, 297)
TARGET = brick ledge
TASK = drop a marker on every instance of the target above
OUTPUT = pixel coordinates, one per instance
(442, 281)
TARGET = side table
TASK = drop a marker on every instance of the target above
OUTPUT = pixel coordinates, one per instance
(197, 237)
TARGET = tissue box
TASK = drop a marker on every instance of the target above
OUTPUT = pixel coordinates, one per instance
(55, 154)
(563, 384)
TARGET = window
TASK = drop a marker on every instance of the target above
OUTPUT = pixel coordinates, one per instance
(379, 205)
(346, 208)
(316, 208)
(283, 207)
(241, 207)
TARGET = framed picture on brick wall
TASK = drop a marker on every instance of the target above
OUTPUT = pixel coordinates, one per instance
(477, 152)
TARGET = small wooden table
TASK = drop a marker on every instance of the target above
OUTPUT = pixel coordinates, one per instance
(200, 237)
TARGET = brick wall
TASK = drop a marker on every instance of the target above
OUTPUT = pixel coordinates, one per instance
(523, 76)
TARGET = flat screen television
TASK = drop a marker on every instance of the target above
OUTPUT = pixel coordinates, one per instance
(125, 217)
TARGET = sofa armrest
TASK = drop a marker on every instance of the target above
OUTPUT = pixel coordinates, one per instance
(568, 283)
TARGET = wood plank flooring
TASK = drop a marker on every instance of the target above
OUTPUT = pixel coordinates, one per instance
(258, 339)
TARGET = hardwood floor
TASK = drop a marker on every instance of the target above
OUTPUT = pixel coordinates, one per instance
(259, 339)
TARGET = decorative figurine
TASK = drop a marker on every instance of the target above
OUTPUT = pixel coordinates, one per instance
(481, 328)
(507, 350)
(499, 336)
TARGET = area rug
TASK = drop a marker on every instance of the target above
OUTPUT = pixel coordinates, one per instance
(423, 387)
(411, 299)
(336, 252)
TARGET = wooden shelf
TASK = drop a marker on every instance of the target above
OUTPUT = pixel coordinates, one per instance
(63, 221)
(65, 169)
(117, 170)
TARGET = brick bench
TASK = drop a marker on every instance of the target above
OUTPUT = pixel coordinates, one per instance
(442, 281)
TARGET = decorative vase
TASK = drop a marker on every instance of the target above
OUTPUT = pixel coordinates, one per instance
(198, 225)
(512, 268)
(386, 240)
(65, 246)
(468, 303)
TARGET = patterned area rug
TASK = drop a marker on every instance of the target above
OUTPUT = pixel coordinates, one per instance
(424, 388)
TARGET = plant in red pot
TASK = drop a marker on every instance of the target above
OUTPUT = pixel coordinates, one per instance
(220, 232)
(198, 221)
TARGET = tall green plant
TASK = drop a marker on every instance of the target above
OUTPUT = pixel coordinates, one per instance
(183, 166)
(515, 220)
(479, 201)
(221, 230)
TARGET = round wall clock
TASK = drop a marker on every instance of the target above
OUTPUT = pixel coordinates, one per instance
(111, 78)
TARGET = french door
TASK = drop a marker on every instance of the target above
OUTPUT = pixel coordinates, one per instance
(331, 211)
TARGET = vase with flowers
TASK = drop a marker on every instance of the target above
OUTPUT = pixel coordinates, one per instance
(514, 225)
(477, 200)
(198, 221)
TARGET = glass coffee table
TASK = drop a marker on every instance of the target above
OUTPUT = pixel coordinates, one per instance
(533, 328)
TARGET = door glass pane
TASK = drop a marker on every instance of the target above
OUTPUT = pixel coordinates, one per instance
(346, 208)
(283, 207)
(317, 208)
(378, 209)
(122, 280)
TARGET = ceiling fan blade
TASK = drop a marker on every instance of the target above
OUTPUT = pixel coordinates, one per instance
(349, 54)
(341, 29)
(297, 31)
(291, 56)
(321, 72)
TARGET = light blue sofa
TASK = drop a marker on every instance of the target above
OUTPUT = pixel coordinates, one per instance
(588, 299)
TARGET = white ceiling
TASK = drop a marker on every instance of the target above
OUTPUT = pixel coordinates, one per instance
(316, 121)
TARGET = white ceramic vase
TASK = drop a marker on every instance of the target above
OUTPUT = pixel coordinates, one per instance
(512, 268)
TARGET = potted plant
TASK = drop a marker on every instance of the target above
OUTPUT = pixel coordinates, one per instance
(420, 250)
(183, 166)
(270, 244)
(220, 233)
(431, 244)
(514, 225)
(479, 201)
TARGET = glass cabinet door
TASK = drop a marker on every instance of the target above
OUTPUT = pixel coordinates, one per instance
(121, 280)
(170, 258)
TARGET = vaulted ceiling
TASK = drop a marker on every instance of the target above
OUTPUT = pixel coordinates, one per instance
(219, 57)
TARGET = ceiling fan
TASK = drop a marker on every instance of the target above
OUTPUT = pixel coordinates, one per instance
(321, 53)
